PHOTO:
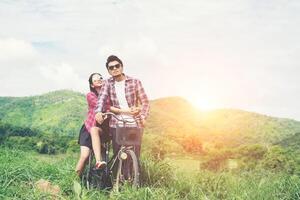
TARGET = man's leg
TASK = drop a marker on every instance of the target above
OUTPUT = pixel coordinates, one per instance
(116, 147)
(138, 147)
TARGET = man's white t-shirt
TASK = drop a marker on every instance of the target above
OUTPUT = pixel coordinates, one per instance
(120, 92)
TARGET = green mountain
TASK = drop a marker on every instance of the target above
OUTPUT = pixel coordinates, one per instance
(176, 117)
(62, 112)
(248, 126)
(59, 112)
(292, 142)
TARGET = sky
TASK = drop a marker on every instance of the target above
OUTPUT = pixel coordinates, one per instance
(241, 54)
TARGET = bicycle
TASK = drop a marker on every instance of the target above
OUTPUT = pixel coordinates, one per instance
(122, 167)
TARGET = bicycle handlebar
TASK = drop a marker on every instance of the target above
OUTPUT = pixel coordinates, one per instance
(117, 118)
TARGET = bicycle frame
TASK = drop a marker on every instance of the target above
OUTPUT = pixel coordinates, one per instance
(107, 177)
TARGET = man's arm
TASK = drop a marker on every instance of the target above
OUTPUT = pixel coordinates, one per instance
(119, 110)
(127, 111)
(143, 99)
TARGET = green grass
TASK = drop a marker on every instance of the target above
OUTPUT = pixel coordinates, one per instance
(185, 164)
(20, 170)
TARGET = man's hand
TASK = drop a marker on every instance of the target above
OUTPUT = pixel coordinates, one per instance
(99, 117)
(143, 121)
(135, 110)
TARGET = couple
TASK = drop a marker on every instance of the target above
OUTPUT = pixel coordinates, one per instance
(120, 94)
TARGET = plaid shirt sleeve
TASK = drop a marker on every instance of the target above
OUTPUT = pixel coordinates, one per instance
(91, 99)
(92, 102)
(103, 95)
(143, 99)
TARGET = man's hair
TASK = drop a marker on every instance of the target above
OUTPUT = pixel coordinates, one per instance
(113, 58)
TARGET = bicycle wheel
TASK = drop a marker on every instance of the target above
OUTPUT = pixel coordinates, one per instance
(134, 172)
(128, 171)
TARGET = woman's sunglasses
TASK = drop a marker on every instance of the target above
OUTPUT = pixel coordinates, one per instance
(98, 78)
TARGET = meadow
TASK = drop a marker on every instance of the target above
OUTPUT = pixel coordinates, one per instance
(170, 178)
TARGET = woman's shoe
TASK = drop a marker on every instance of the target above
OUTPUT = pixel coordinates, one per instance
(100, 165)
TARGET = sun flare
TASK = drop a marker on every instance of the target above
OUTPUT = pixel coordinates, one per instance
(204, 103)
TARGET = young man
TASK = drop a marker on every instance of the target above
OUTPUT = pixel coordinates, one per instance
(125, 93)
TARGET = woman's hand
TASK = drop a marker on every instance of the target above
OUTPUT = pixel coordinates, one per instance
(99, 117)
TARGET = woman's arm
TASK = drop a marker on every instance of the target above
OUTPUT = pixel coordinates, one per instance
(92, 99)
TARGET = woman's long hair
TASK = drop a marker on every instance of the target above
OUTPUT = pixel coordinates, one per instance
(91, 82)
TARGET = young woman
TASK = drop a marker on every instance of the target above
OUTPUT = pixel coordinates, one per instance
(89, 138)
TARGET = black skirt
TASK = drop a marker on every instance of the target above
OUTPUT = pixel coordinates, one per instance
(85, 137)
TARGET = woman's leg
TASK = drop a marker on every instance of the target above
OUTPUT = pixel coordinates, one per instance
(84, 154)
(96, 143)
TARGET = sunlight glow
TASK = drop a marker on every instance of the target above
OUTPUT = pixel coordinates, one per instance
(204, 103)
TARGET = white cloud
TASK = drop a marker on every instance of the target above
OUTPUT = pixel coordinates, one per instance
(62, 75)
(16, 50)
(140, 49)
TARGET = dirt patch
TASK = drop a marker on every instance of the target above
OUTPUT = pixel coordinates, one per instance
(47, 187)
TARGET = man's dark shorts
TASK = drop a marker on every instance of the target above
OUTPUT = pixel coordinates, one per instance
(85, 137)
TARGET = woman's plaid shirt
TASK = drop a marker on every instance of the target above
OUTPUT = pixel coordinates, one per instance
(135, 96)
(92, 100)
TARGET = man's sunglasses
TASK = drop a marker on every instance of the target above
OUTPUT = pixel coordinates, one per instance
(117, 66)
